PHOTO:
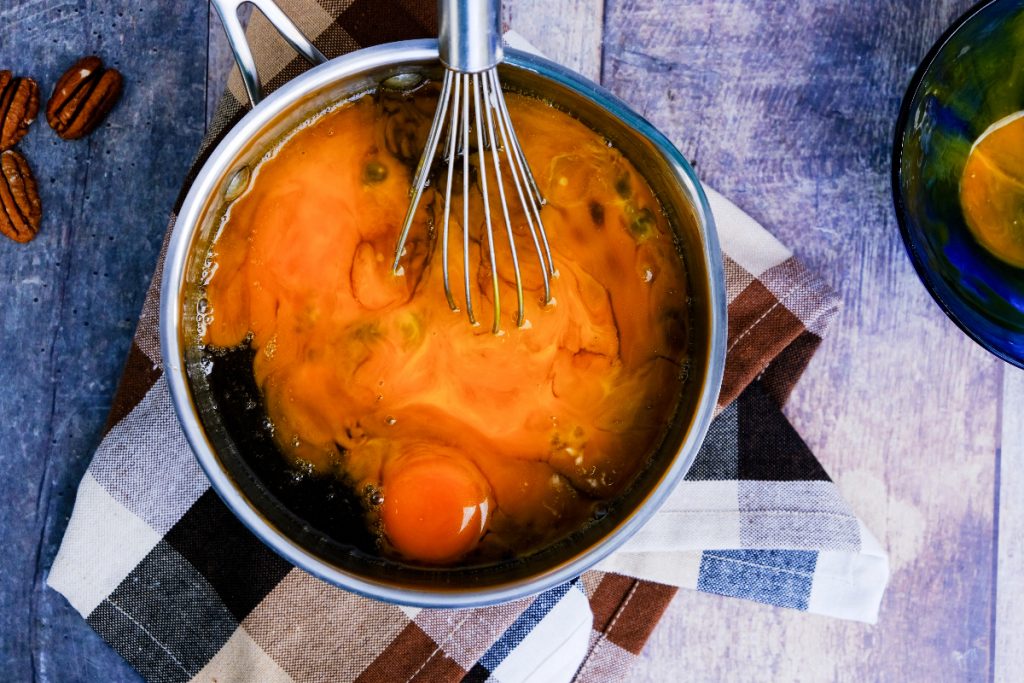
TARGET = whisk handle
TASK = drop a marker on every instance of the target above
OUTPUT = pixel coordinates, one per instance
(469, 34)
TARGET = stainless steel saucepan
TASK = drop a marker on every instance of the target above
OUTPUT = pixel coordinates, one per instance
(223, 178)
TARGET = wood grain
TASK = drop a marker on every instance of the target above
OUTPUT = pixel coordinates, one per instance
(1009, 624)
(69, 300)
(567, 31)
(789, 110)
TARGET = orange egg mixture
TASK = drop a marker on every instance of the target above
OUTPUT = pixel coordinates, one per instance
(465, 445)
(992, 189)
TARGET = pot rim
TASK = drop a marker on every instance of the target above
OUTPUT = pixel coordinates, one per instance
(196, 203)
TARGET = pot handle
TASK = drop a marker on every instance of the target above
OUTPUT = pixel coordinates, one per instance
(228, 11)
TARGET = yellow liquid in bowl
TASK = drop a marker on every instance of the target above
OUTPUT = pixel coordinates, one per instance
(992, 190)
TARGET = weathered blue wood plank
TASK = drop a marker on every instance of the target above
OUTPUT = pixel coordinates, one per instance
(69, 300)
(789, 109)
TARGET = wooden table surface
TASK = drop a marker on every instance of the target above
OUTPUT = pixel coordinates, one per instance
(787, 108)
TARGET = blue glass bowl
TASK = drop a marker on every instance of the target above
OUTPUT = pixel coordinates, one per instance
(972, 77)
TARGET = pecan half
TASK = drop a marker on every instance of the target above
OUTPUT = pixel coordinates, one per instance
(19, 104)
(82, 98)
(20, 210)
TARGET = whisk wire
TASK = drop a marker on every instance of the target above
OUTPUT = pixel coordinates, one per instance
(465, 197)
(473, 105)
(530, 208)
(482, 177)
(535, 198)
(423, 167)
(450, 142)
(490, 107)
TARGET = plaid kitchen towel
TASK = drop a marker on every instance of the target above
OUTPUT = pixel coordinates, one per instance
(166, 574)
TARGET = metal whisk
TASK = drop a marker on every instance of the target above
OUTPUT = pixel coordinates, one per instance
(470, 48)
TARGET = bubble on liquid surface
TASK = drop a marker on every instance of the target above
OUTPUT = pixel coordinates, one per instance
(301, 470)
(403, 82)
(237, 184)
(204, 316)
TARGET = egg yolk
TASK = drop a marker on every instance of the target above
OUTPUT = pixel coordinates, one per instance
(992, 189)
(436, 505)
